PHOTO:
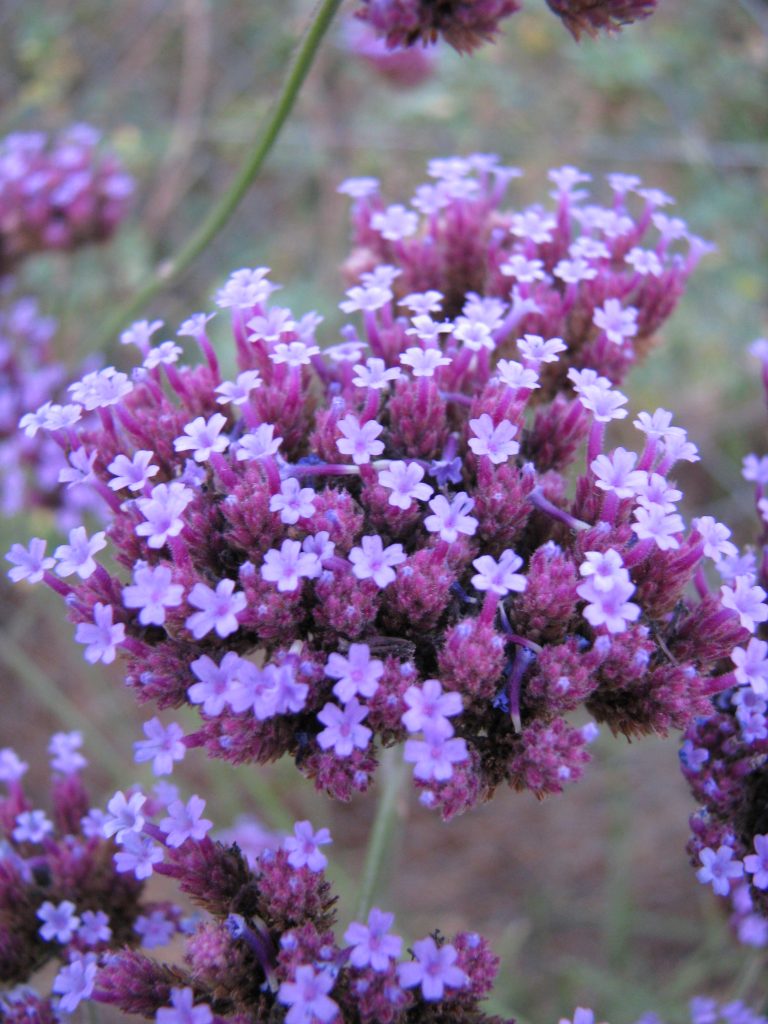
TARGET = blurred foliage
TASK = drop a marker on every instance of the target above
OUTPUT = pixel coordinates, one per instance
(179, 87)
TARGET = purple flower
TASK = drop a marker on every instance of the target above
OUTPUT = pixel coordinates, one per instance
(752, 665)
(258, 444)
(133, 473)
(125, 815)
(30, 563)
(756, 864)
(94, 927)
(343, 731)
(372, 561)
(32, 827)
(429, 706)
(183, 1010)
(747, 601)
(451, 519)
(102, 636)
(77, 556)
(155, 929)
(499, 577)
(163, 746)
(404, 480)
(184, 821)
(303, 846)
(238, 391)
(434, 968)
(75, 982)
(615, 321)
(163, 512)
(495, 442)
(288, 565)
(64, 749)
(464, 24)
(435, 755)
(307, 996)
(294, 502)
(357, 673)
(371, 945)
(718, 868)
(215, 688)
(424, 361)
(359, 440)
(137, 855)
(203, 437)
(219, 609)
(60, 921)
(616, 473)
(152, 591)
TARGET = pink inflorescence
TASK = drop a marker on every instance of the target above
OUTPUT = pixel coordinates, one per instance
(464, 24)
(405, 66)
(724, 755)
(57, 193)
(604, 277)
(63, 896)
(591, 17)
(34, 471)
(376, 544)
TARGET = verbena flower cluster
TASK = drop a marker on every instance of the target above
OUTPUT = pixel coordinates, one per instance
(703, 1010)
(405, 66)
(263, 947)
(467, 24)
(34, 472)
(603, 277)
(376, 544)
(725, 755)
(57, 192)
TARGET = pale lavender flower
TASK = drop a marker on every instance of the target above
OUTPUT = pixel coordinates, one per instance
(77, 556)
(373, 561)
(293, 502)
(32, 827)
(747, 601)
(134, 473)
(449, 520)
(343, 731)
(101, 636)
(371, 945)
(30, 563)
(404, 479)
(124, 816)
(288, 565)
(357, 673)
(752, 665)
(185, 821)
(163, 511)
(238, 391)
(434, 968)
(219, 609)
(307, 996)
(430, 706)
(303, 847)
(155, 929)
(183, 1010)
(138, 855)
(214, 689)
(64, 751)
(359, 440)
(152, 590)
(496, 442)
(374, 373)
(719, 868)
(615, 321)
(163, 746)
(75, 982)
(499, 577)
(60, 921)
(435, 755)
(203, 437)
(424, 361)
(258, 444)
(756, 864)
(94, 927)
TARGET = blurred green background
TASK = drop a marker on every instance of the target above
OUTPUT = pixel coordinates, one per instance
(588, 897)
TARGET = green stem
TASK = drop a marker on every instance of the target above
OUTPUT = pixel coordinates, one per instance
(393, 769)
(170, 270)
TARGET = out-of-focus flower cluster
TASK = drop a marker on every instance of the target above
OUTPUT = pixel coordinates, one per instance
(57, 193)
(34, 472)
(63, 896)
(262, 948)
(725, 755)
(467, 24)
(405, 66)
(703, 1010)
(603, 277)
(378, 543)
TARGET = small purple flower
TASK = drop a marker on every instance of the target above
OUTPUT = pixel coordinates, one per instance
(203, 437)
(60, 922)
(449, 520)
(102, 636)
(77, 556)
(64, 750)
(183, 1010)
(615, 321)
(371, 945)
(756, 864)
(357, 673)
(238, 391)
(359, 440)
(747, 601)
(288, 565)
(162, 511)
(215, 687)
(429, 706)
(184, 821)
(343, 731)
(155, 929)
(499, 577)
(134, 473)
(434, 968)
(307, 996)
(404, 479)
(124, 815)
(435, 755)
(718, 868)
(495, 442)
(94, 928)
(372, 561)
(32, 827)
(424, 361)
(303, 847)
(294, 502)
(137, 855)
(75, 982)
(30, 563)
(163, 746)
(258, 444)
(219, 609)
(153, 590)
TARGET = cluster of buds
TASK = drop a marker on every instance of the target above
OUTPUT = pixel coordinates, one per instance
(467, 24)
(64, 897)
(605, 278)
(342, 550)
(57, 193)
(31, 468)
(725, 755)
(263, 947)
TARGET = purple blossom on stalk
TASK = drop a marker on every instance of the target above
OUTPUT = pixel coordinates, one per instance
(75, 982)
(163, 746)
(219, 609)
(356, 674)
(495, 442)
(371, 943)
(125, 816)
(303, 846)
(756, 864)
(102, 637)
(343, 731)
(77, 556)
(185, 821)
(133, 473)
(434, 969)
(499, 577)
(60, 922)
(719, 869)
(29, 563)
(183, 1009)
(152, 591)
(375, 562)
(404, 480)
(359, 440)
(435, 755)
(307, 996)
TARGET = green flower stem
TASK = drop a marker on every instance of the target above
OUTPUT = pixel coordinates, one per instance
(393, 769)
(170, 270)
